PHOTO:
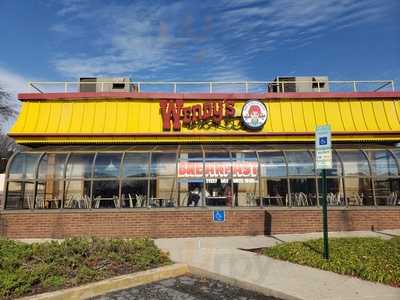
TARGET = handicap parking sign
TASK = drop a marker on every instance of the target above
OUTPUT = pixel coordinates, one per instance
(323, 140)
(219, 216)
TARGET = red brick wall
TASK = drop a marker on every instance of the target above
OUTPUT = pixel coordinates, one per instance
(154, 223)
(310, 220)
(190, 223)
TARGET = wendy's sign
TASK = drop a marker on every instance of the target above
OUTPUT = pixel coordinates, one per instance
(211, 114)
(173, 112)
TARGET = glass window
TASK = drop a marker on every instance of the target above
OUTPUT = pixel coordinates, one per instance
(52, 166)
(163, 192)
(358, 191)
(20, 195)
(300, 163)
(190, 164)
(387, 191)
(382, 163)
(272, 164)
(49, 194)
(218, 192)
(134, 193)
(163, 164)
(191, 192)
(23, 166)
(354, 163)
(77, 194)
(303, 191)
(335, 193)
(107, 165)
(274, 191)
(80, 165)
(136, 164)
(245, 192)
(106, 194)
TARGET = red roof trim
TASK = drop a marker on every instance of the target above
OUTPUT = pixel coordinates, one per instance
(205, 96)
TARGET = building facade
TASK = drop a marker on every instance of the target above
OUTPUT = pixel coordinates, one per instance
(159, 164)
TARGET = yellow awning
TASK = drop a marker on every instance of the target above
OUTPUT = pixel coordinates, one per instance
(125, 119)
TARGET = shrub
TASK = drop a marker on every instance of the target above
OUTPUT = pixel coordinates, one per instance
(27, 269)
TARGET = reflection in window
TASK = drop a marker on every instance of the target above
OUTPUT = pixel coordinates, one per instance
(106, 194)
(245, 192)
(136, 164)
(163, 192)
(23, 166)
(191, 192)
(272, 164)
(358, 191)
(134, 193)
(382, 163)
(49, 194)
(354, 163)
(387, 191)
(274, 191)
(20, 195)
(303, 191)
(107, 165)
(300, 163)
(51, 166)
(163, 164)
(218, 192)
(77, 194)
(80, 165)
(335, 192)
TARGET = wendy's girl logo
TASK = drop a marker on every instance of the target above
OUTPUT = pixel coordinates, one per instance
(254, 114)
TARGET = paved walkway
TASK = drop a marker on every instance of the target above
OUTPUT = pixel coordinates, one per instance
(221, 257)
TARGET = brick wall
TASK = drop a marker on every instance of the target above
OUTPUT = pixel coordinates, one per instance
(190, 223)
(310, 220)
(154, 223)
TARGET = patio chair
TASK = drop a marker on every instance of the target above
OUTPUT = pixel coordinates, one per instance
(39, 202)
(116, 201)
(130, 201)
(140, 199)
(250, 199)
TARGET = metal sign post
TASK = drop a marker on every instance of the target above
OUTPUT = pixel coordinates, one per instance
(323, 161)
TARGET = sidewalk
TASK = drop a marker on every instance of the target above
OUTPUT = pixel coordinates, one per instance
(221, 257)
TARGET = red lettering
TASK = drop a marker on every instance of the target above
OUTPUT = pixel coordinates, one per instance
(196, 113)
(229, 109)
(217, 112)
(171, 111)
(187, 115)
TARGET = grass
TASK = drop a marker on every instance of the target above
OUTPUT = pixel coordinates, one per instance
(29, 269)
(372, 259)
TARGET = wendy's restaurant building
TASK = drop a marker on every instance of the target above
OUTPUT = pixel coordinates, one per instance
(121, 158)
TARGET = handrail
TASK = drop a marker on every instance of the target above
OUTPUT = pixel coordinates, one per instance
(277, 86)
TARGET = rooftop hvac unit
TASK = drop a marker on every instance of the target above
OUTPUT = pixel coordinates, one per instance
(104, 84)
(298, 84)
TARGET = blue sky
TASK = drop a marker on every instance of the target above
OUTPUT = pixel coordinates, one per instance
(51, 40)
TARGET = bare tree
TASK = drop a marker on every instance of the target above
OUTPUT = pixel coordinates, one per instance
(7, 144)
(6, 110)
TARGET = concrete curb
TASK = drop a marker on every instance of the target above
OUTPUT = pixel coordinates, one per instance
(113, 284)
(242, 284)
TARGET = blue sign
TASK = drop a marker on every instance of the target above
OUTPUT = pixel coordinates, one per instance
(323, 151)
(219, 216)
(323, 141)
(323, 137)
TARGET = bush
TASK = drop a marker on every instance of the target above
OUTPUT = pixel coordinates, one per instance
(28, 269)
(373, 259)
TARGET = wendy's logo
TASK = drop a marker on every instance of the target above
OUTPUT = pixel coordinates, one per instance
(254, 114)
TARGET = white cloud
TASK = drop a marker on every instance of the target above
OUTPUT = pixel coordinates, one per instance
(156, 41)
